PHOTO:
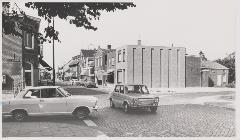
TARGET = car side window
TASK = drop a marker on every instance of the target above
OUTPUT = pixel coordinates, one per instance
(121, 89)
(50, 93)
(117, 89)
(32, 94)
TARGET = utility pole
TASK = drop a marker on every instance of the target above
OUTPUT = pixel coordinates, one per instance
(53, 58)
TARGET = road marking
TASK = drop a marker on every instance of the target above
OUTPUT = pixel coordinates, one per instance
(89, 123)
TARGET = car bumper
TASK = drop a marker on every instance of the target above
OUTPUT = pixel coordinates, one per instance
(144, 106)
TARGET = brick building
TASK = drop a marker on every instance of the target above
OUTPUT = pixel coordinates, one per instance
(87, 65)
(193, 71)
(214, 74)
(74, 67)
(155, 66)
(21, 57)
(111, 65)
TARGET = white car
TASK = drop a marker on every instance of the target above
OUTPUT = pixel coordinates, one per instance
(48, 100)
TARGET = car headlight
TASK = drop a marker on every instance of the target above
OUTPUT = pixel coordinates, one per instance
(156, 99)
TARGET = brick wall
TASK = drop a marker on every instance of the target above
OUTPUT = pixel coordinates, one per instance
(193, 71)
(12, 48)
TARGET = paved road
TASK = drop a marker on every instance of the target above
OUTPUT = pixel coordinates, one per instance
(171, 120)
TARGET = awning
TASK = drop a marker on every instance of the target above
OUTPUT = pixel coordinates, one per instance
(44, 64)
(84, 72)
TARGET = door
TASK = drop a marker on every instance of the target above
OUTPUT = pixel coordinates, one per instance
(31, 101)
(219, 80)
(52, 101)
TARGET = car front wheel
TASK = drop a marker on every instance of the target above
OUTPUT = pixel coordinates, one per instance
(81, 114)
(153, 109)
(19, 116)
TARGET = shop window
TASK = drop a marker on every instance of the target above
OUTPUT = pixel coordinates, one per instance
(119, 56)
(113, 61)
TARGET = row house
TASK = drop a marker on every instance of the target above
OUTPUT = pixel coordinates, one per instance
(105, 66)
(154, 66)
(111, 65)
(74, 67)
(22, 57)
(86, 65)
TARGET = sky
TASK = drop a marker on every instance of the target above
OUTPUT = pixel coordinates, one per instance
(198, 25)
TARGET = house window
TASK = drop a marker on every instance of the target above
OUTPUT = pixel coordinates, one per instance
(123, 55)
(105, 60)
(100, 62)
(119, 56)
(109, 62)
(29, 41)
(224, 78)
(113, 61)
(29, 74)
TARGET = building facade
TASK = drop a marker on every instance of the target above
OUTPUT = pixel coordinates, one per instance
(87, 65)
(74, 67)
(155, 66)
(214, 74)
(21, 57)
(100, 69)
(111, 65)
(193, 71)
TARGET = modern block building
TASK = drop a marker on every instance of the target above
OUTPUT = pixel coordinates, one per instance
(155, 66)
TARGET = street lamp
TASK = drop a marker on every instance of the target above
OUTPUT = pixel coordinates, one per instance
(53, 58)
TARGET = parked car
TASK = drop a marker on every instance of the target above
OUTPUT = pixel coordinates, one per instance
(48, 100)
(89, 84)
(131, 96)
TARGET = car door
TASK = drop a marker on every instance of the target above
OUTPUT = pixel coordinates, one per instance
(115, 95)
(52, 101)
(30, 101)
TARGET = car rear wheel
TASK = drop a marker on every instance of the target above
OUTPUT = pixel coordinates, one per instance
(126, 107)
(19, 115)
(153, 109)
(81, 113)
(112, 104)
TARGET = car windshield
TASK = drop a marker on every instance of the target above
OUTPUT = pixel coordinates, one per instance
(64, 92)
(137, 89)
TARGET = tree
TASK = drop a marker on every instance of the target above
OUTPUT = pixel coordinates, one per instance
(80, 14)
(202, 55)
(229, 62)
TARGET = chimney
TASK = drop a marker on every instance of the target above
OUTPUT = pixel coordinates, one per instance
(139, 42)
(109, 47)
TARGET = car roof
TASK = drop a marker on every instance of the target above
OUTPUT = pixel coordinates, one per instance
(129, 84)
(42, 87)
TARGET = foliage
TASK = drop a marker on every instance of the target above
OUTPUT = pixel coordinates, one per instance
(229, 62)
(79, 14)
(202, 55)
